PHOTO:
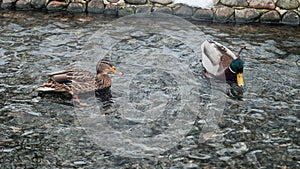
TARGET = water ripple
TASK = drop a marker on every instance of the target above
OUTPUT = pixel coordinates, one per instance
(259, 131)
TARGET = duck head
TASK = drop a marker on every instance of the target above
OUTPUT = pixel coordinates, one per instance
(104, 67)
(236, 67)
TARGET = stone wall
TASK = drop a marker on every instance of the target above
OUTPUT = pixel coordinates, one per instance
(243, 11)
(263, 11)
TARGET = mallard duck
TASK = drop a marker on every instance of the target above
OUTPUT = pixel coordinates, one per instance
(78, 81)
(219, 62)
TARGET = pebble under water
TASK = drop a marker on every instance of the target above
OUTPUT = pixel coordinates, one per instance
(260, 130)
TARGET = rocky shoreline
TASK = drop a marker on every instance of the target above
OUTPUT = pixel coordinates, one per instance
(283, 12)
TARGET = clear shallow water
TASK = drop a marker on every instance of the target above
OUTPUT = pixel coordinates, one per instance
(259, 131)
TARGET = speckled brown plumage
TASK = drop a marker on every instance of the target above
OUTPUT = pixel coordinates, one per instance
(78, 81)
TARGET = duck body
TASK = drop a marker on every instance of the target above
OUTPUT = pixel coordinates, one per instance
(78, 81)
(221, 63)
(75, 81)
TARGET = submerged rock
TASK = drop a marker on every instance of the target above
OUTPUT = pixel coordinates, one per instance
(163, 9)
(291, 18)
(183, 11)
(111, 10)
(270, 17)
(23, 5)
(37, 4)
(125, 11)
(76, 7)
(203, 14)
(95, 6)
(237, 148)
(143, 9)
(7, 4)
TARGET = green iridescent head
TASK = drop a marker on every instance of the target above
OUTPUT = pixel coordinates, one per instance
(237, 66)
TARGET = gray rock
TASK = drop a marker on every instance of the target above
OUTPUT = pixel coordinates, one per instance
(270, 17)
(7, 4)
(136, 2)
(163, 9)
(164, 2)
(111, 10)
(184, 11)
(291, 18)
(95, 6)
(262, 4)
(246, 15)
(112, 1)
(23, 5)
(203, 15)
(235, 2)
(38, 4)
(224, 14)
(143, 9)
(288, 4)
(76, 7)
(56, 6)
(125, 11)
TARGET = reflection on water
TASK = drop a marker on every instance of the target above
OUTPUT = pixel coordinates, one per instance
(259, 131)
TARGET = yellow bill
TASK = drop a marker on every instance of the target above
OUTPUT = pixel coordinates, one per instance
(112, 69)
(240, 79)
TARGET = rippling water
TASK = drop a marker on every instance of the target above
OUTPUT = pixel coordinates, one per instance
(165, 84)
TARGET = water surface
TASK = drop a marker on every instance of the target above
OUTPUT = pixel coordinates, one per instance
(259, 131)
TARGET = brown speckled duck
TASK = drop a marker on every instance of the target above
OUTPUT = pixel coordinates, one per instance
(77, 81)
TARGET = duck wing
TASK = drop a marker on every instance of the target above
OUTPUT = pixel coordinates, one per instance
(216, 58)
(71, 75)
(72, 81)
